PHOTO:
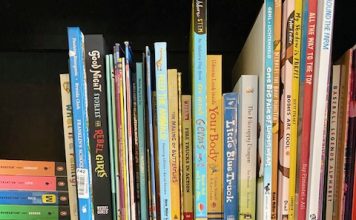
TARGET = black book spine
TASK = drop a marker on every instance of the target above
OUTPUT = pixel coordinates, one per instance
(98, 127)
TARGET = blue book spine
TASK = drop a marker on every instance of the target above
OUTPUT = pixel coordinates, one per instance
(80, 123)
(33, 198)
(163, 128)
(199, 62)
(230, 156)
(150, 129)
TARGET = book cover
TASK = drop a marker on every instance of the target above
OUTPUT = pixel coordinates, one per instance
(187, 158)
(173, 142)
(163, 128)
(32, 168)
(33, 198)
(230, 155)
(33, 183)
(68, 142)
(80, 122)
(214, 134)
(319, 107)
(247, 89)
(98, 134)
(198, 53)
(34, 212)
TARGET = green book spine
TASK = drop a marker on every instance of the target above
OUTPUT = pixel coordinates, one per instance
(34, 212)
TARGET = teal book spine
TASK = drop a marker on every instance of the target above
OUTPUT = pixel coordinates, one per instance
(199, 74)
(142, 140)
(163, 128)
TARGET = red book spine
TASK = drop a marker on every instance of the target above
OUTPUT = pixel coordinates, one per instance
(307, 110)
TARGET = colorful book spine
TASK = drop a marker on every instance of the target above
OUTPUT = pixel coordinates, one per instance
(276, 99)
(34, 212)
(187, 158)
(198, 68)
(32, 168)
(333, 130)
(173, 142)
(33, 183)
(68, 142)
(33, 198)
(98, 134)
(230, 156)
(142, 140)
(153, 170)
(307, 71)
(215, 143)
(80, 121)
(163, 128)
(180, 141)
(320, 90)
(247, 89)
(156, 153)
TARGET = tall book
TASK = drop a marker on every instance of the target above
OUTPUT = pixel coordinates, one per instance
(156, 153)
(256, 57)
(198, 53)
(187, 158)
(319, 109)
(68, 142)
(173, 142)
(163, 128)
(98, 134)
(80, 121)
(276, 102)
(247, 89)
(153, 171)
(230, 156)
(215, 143)
(180, 142)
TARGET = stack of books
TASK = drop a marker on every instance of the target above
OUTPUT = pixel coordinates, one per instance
(33, 190)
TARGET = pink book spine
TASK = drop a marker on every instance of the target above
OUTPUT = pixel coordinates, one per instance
(32, 183)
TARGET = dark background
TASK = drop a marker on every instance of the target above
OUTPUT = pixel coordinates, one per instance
(33, 52)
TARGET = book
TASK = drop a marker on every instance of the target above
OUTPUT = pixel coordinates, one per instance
(163, 128)
(180, 142)
(68, 142)
(173, 142)
(34, 212)
(198, 53)
(247, 89)
(98, 134)
(354, 98)
(231, 153)
(256, 58)
(214, 134)
(80, 120)
(319, 108)
(32, 168)
(33, 183)
(156, 153)
(187, 158)
(33, 198)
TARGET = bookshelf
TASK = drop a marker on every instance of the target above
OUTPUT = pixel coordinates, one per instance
(33, 51)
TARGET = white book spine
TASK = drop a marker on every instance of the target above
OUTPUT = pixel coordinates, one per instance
(322, 67)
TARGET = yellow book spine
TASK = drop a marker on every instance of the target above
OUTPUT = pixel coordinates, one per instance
(174, 142)
(187, 157)
(294, 107)
(180, 143)
(214, 134)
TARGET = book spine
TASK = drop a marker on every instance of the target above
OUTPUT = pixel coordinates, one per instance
(98, 134)
(187, 158)
(276, 100)
(198, 56)
(38, 212)
(306, 107)
(156, 153)
(80, 121)
(354, 114)
(173, 142)
(214, 151)
(230, 156)
(163, 128)
(32, 168)
(33, 198)
(142, 140)
(321, 69)
(68, 142)
(180, 142)
(247, 89)
(332, 142)
(33, 183)
(152, 149)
